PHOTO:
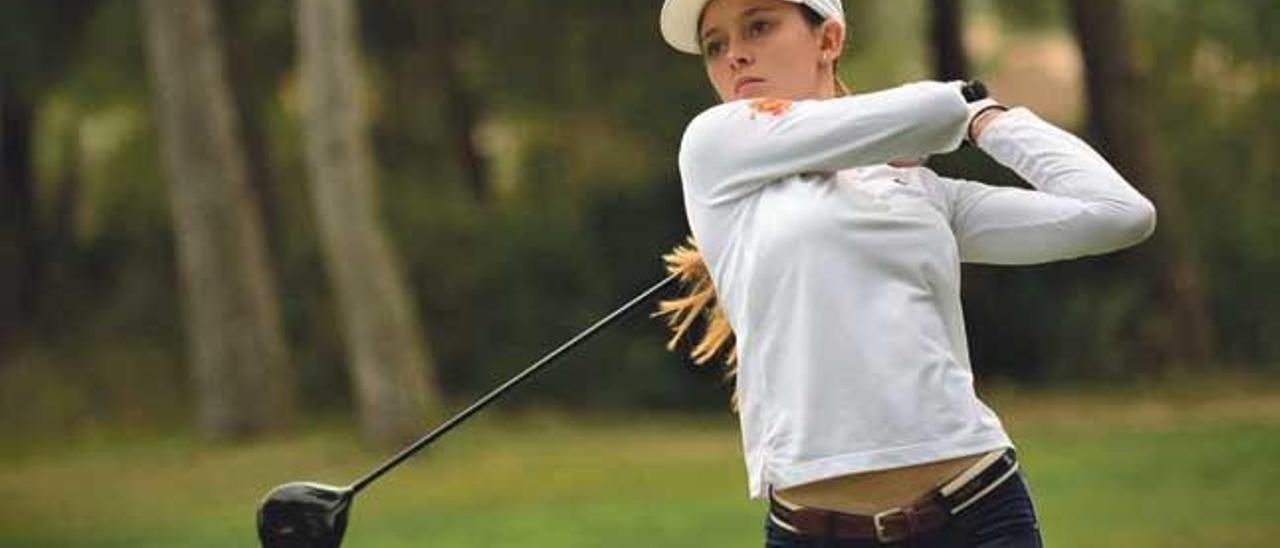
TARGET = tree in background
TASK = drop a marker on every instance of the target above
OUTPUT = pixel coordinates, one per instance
(1120, 120)
(251, 83)
(462, 109)
(239, 358)
(18, 246)
(387, 357)
(41, 42)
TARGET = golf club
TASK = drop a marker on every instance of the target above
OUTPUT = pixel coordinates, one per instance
(314, 515)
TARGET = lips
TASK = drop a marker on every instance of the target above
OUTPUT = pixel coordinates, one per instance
(743, 82)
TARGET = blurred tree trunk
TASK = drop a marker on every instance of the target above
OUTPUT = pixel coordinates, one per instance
(461, 107)
(18, 237)
(1121, 124)
(242, 53)
(946, 40)
(241, 368)
(258, 171)
(62, 227)
(41, 40)
(390, 367)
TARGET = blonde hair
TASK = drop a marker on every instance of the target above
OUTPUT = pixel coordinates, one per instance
(700, 301)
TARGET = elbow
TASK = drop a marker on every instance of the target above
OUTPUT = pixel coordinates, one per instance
(1137, 224)
(1145, 220)
(1119, 228)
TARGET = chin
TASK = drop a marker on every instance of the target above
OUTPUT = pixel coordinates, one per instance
(751, 92)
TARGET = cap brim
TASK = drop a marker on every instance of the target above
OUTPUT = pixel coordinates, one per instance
(679, 24)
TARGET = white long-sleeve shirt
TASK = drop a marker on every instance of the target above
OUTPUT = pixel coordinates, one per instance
(840, 275)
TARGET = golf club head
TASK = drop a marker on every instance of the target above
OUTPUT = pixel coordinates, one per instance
(304, 515)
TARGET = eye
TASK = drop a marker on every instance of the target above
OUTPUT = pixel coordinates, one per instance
(712, 48)
(758, 27)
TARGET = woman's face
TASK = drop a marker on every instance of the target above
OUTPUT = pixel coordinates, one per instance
(766, 48)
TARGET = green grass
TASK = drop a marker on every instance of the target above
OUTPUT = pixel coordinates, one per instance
(1178, 468)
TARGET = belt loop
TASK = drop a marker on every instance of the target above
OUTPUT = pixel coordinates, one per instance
(913, 524)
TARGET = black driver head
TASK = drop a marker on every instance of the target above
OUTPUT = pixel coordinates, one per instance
(304, 515)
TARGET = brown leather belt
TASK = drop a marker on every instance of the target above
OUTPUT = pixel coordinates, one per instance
(929, 513)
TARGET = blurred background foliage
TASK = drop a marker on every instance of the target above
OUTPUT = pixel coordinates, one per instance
(526, 167)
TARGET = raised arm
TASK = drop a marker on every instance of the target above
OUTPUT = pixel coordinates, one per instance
(733, 149)
(1081, 205)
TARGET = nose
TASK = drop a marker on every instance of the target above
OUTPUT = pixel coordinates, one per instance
(739, 57)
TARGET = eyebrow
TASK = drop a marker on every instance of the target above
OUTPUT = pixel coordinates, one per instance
(749, 12)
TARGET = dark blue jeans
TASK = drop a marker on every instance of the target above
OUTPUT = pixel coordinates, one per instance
(1004, 518)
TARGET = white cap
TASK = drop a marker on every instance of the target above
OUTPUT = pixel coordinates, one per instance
(679, 19)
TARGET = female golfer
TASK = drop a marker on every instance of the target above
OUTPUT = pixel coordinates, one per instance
(827, 267)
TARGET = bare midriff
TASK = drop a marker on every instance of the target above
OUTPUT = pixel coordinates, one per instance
(871, 492)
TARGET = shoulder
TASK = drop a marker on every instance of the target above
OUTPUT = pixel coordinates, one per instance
(734, 116)
(726, 117)
(713, 130)
(709, 123)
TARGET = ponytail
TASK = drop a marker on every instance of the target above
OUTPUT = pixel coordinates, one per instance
(842, 89)
(698, 302)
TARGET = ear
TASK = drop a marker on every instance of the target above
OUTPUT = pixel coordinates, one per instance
(830, 40)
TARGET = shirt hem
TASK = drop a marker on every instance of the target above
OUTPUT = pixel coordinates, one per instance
(783, 477)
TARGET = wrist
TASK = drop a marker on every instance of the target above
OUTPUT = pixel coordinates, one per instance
(981, 114)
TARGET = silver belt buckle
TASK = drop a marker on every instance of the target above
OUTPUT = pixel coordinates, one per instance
(882, 533)
(782, 523)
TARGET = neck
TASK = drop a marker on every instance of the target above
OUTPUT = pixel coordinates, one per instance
(827, 88)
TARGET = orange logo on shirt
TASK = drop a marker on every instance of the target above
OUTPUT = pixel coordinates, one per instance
(769, 105)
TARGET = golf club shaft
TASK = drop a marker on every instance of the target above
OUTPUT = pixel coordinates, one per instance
(492, 395)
